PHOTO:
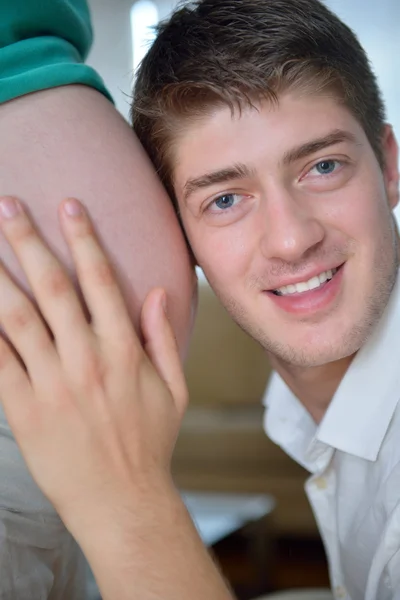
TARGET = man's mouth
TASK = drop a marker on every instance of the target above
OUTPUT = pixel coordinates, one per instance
(304, 286)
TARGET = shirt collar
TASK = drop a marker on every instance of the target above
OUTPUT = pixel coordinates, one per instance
(287, 423)
(361, 410)
(360, 413)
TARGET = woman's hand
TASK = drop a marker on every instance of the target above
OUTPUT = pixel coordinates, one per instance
(95, 414)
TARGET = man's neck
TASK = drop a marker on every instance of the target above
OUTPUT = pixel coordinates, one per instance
(314, 386)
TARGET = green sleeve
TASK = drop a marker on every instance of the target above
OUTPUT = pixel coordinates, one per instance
(43, 44)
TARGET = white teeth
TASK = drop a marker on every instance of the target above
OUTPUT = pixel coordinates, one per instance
(305, 286)
(314, 283)
(323, 277)
(301, 287)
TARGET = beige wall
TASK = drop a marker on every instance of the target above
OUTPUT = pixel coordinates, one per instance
(224, 366)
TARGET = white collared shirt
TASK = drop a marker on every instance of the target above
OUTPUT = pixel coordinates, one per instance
(354, 459)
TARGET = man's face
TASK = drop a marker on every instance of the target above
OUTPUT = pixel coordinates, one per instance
(290, 217)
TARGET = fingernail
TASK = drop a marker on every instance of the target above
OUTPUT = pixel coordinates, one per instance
(73, 208)
(9, 208)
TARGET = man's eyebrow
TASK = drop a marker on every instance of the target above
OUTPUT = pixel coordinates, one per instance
(313, 146)
(238, 171)
(242, 171)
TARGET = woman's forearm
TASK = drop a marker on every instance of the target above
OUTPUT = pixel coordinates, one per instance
(150, 551)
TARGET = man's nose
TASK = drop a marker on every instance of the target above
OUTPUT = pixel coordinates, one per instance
(290, 227)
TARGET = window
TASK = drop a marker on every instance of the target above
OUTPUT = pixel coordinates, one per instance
(144, 16)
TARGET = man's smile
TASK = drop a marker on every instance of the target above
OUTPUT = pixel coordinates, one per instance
(304, 286)
(309, 296)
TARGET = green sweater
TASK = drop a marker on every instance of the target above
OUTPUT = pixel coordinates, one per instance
(43, 44)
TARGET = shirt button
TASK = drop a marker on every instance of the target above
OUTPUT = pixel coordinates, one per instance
(340, 592)
(320, 483)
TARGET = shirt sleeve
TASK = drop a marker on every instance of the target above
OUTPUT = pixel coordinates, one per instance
(43, 44)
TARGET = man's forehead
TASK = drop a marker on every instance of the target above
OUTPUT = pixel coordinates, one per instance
(293, 119)
(297, 127)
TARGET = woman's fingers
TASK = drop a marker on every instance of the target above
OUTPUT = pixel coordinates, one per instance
(96, 276)
(161, 347)
(51, 286)
(26, 330)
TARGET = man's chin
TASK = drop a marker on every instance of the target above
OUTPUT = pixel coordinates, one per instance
(314, 351)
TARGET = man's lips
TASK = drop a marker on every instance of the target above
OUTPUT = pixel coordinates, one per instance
(311, 301)
(300, 284)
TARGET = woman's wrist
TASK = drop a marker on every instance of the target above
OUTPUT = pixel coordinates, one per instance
(139, 503)
(148, 547)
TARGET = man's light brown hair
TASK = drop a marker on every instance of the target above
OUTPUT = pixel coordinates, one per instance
(212, 53)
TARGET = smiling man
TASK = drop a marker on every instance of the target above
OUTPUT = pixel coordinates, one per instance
(267, 126)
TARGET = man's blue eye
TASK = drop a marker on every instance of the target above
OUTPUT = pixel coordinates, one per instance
(325, 167)
(225, 201)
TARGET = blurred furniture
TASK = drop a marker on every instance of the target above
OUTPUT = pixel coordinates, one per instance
(222, 446)
(299, 595)
(226, 450)
(217, 515)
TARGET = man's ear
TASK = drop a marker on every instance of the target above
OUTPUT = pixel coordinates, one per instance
(391, 166)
